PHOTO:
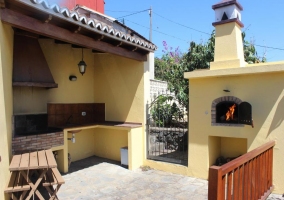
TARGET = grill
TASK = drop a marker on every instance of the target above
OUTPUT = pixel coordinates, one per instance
(32, 124)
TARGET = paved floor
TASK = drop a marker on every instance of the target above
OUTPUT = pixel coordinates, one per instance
(98, 178)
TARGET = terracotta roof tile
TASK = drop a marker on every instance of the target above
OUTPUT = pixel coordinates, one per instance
(95, 24)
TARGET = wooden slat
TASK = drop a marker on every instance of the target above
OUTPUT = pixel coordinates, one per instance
(270, 166)
(267, 169)
(236, 183)
(10, 186)
(58, 176)
(253, 180)
(16, 183)
(20, 184)
(15, 163)
(25, 161)
(257, 180)
(49, 179)
(223, 187)
(246, 181)
(229, 185)
(263, 171)
(42, 162)
(241, 181)
(250, 180)
(33, 160)
(50, 159)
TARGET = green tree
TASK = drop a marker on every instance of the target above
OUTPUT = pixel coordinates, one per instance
(172, 65)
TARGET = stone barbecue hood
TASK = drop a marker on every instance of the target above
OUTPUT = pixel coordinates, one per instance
(29, 64)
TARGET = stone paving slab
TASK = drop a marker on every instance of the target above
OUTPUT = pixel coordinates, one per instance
(106, 181)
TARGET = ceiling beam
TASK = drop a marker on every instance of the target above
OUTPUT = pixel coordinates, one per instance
(60, 42)
(48, 19)
(76, 46)
(27, 23)
(95, 51)
(2, 4)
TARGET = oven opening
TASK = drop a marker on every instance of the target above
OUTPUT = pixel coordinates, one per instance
(227, 112)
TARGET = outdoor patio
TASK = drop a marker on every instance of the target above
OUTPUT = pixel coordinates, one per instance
(99, 178)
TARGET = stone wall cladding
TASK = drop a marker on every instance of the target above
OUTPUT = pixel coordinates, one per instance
(213, 110)
(36, 142)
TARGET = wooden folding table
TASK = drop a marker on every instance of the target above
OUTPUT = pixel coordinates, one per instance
(37, 164)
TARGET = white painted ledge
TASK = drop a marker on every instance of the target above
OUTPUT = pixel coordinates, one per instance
(249, 69)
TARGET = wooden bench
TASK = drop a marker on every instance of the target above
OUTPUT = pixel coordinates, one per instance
(17, 186)
(52, 178)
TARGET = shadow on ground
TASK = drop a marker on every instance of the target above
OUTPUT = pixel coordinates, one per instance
(88, 162)
(76, 166)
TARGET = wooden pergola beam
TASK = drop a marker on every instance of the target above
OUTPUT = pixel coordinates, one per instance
(2, 4)
(30, 24)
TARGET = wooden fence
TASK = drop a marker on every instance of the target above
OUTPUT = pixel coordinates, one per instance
(246, 177)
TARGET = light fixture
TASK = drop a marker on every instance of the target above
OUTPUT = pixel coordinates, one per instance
(82, 65)
(72, 78)
(226, 90)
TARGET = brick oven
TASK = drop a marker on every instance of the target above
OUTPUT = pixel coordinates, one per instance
(231, 111)
(230, 98)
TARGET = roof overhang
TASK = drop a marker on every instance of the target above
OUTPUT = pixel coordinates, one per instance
(85, 29)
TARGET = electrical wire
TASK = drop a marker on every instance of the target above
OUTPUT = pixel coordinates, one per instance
(181, 24)
(133, 13)
(158, 31)
(275, 48)
(268, 47)
(118, 11)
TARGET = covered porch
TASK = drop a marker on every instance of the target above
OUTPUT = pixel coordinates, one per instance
(117, 76)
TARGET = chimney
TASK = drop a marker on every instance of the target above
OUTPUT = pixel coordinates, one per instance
(229, 51)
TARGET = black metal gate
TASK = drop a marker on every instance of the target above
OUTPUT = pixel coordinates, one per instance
(167, 130)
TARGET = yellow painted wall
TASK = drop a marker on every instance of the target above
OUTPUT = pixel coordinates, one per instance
(214, 150)
(225, 146)
(119, 83)
(84, 145)
(113, 80)
(150, 64)
(228, 47)
(62, 60)
(233, 147)
(265, 92)
(6, 103)
(135, 150)
(107, 142)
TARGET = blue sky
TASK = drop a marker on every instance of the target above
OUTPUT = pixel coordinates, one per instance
(263, 20)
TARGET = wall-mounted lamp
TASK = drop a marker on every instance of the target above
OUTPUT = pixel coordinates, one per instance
(226, 90)
(72, 78)
(73, 138)
(82, 65)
